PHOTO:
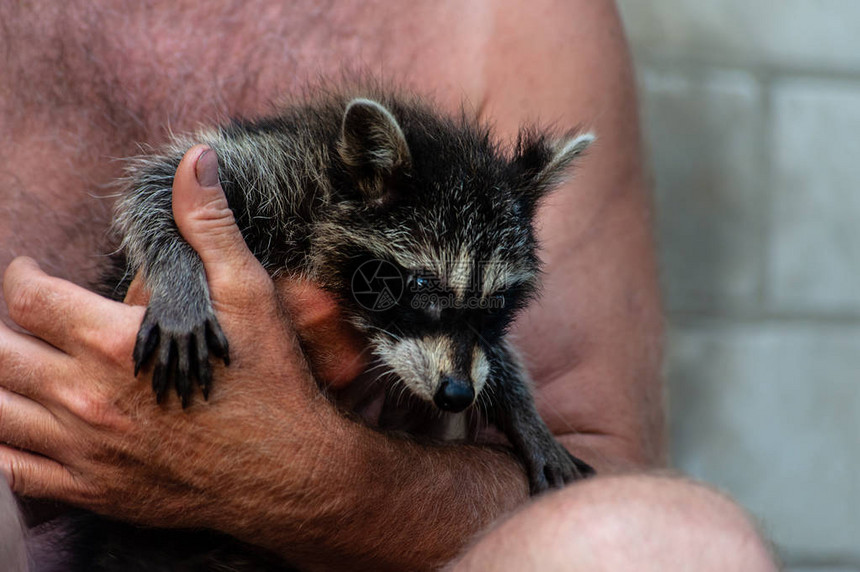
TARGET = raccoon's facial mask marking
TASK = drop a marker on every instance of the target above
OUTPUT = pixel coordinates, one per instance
(486, 286)
(420, 303)
(461, 275)
(429, 368)
(373, 147)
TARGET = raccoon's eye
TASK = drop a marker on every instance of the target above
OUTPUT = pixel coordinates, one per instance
(419, 283)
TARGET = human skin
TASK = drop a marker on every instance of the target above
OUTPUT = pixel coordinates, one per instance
(592, 344)
(644, 522)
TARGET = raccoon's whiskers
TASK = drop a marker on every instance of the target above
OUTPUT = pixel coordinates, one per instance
(488, 391)
(484, 402)
(386, 332)
(403, 391)
(379, 365)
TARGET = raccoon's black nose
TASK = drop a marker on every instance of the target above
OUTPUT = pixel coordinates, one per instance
(454, 395)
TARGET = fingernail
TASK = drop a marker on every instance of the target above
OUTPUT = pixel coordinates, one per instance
(207, 169)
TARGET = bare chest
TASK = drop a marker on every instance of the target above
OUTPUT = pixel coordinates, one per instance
(84, 83)
(140, 66)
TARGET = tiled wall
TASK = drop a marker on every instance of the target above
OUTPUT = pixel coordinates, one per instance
(752, 115)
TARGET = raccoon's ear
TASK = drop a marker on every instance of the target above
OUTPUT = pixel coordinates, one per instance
(541, 163)
(372, 146)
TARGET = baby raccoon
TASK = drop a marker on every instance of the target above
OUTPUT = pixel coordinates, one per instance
(420, 224)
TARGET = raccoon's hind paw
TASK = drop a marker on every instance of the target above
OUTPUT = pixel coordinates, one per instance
(552, 466)
(180, 346)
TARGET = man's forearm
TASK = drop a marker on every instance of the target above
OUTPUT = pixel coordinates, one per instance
(389, 503)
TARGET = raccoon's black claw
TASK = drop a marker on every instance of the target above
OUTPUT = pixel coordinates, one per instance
(161, 372)
(147, 341)
(585, 470)
(555, 467)
(182, 377)
(180, 352)
(540, 477)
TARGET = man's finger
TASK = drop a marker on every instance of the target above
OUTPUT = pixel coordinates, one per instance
(61, 313)
(35, 476)
(25, 424)
(205, 220)
(338, 353)
(27, 365)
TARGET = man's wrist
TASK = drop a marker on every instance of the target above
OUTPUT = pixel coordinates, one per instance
(379, 501)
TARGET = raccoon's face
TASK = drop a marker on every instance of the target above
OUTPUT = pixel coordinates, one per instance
(441, 248)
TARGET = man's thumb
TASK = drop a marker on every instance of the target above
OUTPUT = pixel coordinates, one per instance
(205, 219)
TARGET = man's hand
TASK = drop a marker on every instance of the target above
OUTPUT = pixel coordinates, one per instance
(77, 425)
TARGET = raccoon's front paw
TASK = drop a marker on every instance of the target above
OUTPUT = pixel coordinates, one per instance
(180, 343)
(550, 465)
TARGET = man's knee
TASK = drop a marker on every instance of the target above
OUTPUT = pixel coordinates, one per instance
(637, 522)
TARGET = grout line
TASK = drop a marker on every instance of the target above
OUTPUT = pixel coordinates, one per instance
(756, 67)
(823, 563)
(767, 195)
(764, 319)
